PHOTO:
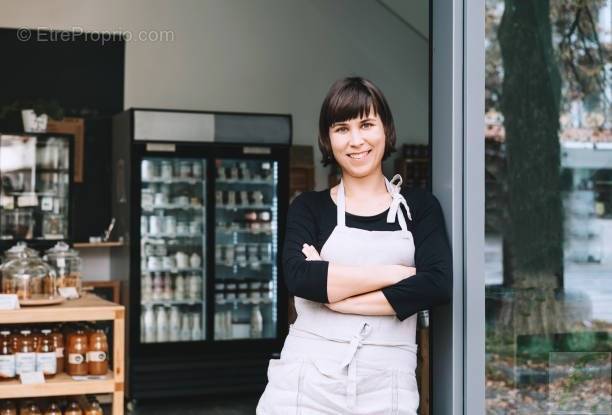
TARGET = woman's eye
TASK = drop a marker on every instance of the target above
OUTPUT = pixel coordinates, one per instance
(341, 129)
(367, 125)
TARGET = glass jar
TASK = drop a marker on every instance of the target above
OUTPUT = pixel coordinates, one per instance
(67, 264)
(26, 275)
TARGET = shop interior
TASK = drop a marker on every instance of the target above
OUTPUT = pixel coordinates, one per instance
(148, 154)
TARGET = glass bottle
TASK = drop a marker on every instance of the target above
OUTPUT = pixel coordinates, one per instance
(58, 343)
(8, 407)
(77, 352)
(7, 357)
(53, 409)
(46, 359)
(25, 357)
(94, 408)
(97, 355)
(73, 409)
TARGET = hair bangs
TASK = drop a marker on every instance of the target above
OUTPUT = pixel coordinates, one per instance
(353, 101)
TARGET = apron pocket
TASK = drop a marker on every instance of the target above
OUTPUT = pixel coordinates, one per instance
(324, 388)
(284, 390)
(407, 393)
(375, 392)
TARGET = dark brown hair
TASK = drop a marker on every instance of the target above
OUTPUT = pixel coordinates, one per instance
(350, 98)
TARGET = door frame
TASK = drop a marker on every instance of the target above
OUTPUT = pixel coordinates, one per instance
(457, 81)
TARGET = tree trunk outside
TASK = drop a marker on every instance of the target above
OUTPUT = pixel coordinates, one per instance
(530, 105)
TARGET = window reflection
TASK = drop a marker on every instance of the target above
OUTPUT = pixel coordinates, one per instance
(548, 256)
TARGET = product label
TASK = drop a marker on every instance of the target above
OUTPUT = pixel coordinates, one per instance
(7, 366)
(96, 356)
(25, 362)
(76, 358)
(46, 363)
(59, 352)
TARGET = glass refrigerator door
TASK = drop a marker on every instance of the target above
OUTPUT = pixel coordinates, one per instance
(245, 249)
(172, 249)
(34, 192)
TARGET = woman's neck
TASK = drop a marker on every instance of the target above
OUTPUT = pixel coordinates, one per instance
(364, 187)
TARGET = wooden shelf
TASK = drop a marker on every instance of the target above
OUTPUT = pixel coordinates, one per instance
(87, 308)
(81, 245)
(59, 385)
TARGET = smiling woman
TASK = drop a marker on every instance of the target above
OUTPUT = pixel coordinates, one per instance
(361, 259)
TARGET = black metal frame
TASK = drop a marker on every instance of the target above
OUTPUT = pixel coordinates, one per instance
(208, 352)
(42, 244)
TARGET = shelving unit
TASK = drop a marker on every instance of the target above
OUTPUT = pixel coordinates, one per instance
(87, 308)
(109, 244)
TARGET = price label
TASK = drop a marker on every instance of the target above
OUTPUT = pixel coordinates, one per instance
(32, 378)
(46, 204)
(27, 201)
(7, 202)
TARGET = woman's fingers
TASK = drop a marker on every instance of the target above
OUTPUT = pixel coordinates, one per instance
(310, 252)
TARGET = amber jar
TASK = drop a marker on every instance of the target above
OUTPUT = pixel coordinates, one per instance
(77, 353)
(94, 408)
(53, 409)
(25, 356)
(97, 355)
(15, 338)
(73, 408)
(30, 409)
(8, 408)
(46, 360)
(58, 343)
(7, 357)
(36, 336)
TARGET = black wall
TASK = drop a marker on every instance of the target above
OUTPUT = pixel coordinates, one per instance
(84, 77)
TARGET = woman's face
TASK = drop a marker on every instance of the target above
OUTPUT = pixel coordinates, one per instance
(358, 145)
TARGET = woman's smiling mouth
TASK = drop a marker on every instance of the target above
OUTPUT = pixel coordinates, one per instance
(359, 156)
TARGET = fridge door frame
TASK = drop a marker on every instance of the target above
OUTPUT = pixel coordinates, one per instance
(208, 152)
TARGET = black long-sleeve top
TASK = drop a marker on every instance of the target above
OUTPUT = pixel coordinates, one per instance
(312, 218)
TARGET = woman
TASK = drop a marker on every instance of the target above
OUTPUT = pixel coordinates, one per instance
(361, 259)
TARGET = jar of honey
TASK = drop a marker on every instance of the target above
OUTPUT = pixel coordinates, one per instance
(73, 409)
(58, 343)
(97, 355)
(77, 353)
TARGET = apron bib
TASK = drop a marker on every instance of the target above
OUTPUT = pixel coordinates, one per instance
(334, 363)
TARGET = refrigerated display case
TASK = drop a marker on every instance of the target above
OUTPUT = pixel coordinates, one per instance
(198, 197)
(35, 187)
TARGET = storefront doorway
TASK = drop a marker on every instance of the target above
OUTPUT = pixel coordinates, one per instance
(521, 137)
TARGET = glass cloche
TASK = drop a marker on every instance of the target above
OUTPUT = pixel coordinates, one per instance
(67, 264)
(24, 273)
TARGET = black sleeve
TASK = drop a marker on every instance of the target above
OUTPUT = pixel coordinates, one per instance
(305, 279)
(433, 282)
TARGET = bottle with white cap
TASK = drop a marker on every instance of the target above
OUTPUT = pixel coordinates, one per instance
(161, 323)
(256, 322)
(175, 324)
(149, 325)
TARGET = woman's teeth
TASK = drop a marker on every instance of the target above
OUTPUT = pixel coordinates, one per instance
(359, 156)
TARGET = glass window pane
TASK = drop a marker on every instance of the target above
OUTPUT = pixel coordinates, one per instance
(548, 178)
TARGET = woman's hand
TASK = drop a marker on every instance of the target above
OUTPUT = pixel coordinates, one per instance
(311, 253)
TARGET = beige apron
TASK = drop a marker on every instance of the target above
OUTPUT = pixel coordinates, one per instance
(334, 363)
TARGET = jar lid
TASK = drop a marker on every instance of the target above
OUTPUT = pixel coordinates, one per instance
(61, 249)
(20, 250)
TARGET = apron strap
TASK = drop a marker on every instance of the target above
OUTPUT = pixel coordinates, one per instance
(397, 201)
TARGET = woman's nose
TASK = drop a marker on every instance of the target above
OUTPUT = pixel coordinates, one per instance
(356, 137)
